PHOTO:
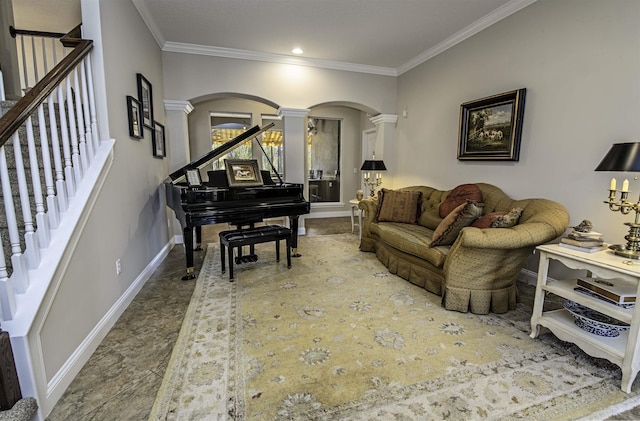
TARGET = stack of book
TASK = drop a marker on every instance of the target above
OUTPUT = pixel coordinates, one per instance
(583, 241)
(614, 291)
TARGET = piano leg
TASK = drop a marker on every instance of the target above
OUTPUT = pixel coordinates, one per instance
(198, 238)
(293, 222)
(187, 234)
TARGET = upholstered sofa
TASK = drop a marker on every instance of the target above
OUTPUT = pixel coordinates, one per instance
(426, 236)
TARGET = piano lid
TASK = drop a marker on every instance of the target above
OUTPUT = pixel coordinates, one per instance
(199, 163)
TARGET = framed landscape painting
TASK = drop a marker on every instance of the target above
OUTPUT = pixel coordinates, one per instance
(491, 128)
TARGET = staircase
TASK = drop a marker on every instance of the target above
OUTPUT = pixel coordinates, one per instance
(50, 161)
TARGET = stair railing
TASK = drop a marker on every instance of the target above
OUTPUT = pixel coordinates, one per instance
(55, 125)
(38, 53)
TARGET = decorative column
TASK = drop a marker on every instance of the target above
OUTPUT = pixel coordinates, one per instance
(295, 150)
(385, 143)
(178, 153)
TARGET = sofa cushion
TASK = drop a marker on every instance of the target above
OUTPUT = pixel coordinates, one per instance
(411, 239)
(462, 216)
(498, 219)
(459, 196)
(398, 206)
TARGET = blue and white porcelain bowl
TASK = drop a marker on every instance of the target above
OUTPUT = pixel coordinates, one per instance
(595, 322)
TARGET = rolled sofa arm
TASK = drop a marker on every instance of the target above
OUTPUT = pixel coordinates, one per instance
(370, 208)
(524, 235)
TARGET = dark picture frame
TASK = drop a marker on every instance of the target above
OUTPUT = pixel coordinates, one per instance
(243, 172)
(134, 111)
(491, 128)
(159, 145)
(145, 96)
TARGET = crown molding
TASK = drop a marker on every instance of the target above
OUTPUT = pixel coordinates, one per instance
(497, 15)
(293, 112)
(143, 10)
(384, 118)
(483, 23)
(205, 50)
(178, 105)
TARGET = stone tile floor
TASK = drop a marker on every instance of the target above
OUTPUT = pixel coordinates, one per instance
(122, 377)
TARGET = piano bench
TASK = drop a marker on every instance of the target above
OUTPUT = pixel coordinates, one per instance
(249, 237)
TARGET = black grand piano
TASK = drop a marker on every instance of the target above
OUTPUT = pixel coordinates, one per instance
(197, 203)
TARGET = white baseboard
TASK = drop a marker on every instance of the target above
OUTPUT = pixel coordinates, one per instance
(70, 369)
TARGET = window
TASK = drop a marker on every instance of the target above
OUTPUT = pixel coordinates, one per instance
(272, 145)
(225, 127)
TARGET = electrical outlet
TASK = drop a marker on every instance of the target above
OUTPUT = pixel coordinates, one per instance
(118, 267)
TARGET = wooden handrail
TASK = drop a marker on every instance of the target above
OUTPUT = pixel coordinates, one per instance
(14, 32)
(28, 104)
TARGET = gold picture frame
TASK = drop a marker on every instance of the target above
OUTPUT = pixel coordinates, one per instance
(243, 172)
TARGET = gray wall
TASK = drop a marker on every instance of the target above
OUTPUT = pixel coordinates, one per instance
(580, 63)
(129, 219)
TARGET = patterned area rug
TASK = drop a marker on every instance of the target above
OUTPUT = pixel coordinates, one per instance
(339, 337)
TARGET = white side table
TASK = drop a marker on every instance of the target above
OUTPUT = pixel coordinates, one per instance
(623, 350)
(354, 209)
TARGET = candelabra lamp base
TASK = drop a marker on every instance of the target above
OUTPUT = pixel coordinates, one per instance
(632, 249)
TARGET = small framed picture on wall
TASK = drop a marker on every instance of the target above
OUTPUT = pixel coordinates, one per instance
(145, 96)
(159, 150)
(134, 110)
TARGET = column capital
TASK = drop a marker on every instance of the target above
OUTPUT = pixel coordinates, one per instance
(178, 105)
(293, 112)
(384, 118)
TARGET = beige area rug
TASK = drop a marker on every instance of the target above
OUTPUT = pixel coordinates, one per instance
(337, 337)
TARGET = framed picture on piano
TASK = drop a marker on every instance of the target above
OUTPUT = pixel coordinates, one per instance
(243, 172)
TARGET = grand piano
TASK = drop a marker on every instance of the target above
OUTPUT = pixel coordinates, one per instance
(197, 203)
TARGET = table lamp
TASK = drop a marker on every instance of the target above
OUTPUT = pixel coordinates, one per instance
(624, 157)
(372, 174)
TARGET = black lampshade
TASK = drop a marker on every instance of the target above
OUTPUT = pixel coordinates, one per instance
(621, 157)
(373, 165)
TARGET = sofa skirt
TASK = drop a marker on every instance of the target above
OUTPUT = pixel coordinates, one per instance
(480, 301)
(413, 269)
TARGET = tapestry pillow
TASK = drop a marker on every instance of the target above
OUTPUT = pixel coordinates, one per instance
(449, 228)
(498, 219)
(459, 196)
(398, 206)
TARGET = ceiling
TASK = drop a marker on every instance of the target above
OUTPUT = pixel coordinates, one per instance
(373, 36)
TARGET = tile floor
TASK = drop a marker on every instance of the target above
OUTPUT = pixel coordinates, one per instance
(121, 379)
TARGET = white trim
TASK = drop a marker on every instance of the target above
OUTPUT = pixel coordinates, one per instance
(178, 105)
(497, 15)
(205, 50)
(384, 118)
(70, 369)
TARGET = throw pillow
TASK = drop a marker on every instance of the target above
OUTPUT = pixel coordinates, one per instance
(459, 196)
(398, 206)
(449, 228)
(498, 219)
(508, 220)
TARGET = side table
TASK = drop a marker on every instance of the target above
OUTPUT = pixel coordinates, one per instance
(354, 209)
(623, 350)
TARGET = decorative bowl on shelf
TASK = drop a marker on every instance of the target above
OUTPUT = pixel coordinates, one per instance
(595, 322)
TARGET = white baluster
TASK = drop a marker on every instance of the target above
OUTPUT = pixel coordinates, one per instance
(25, 75)
(86, 115)
(7, 297)
(18, 264)
(73, 132)
(92, 105)
(66, 148)
(34, 60)
(57, 159)
(32, 247)
(82, 144)
(52, 204)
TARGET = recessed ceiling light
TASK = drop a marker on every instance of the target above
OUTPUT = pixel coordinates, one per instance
(297, 51)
